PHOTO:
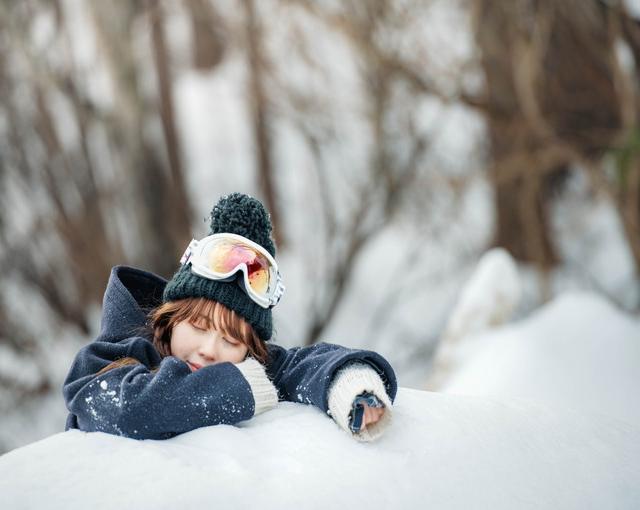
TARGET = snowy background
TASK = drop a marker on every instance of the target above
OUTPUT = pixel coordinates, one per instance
(373, 134)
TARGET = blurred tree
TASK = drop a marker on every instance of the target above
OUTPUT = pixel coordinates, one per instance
(178, 219)
(626, 182)
(395, 161)
(551, 101)
(85, 182)
(209, 34)
(156, 198)
(260, 117)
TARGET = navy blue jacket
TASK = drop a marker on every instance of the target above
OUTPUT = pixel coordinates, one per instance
(135, 402)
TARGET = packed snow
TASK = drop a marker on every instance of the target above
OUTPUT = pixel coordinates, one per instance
(578, 351)
(443, 451)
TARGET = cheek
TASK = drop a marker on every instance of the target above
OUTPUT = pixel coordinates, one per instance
(180, 344)
(239, 354)
(174, 346)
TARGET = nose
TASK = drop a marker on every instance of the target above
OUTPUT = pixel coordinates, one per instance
(208, 349)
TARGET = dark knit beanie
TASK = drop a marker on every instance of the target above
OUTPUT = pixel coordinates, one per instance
(235, 214)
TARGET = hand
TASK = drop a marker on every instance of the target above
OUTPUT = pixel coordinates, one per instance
(371, 415)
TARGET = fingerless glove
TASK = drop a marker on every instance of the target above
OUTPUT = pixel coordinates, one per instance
(348, 384)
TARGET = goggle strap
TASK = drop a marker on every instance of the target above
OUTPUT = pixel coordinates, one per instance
(188, 253)
(278, 292)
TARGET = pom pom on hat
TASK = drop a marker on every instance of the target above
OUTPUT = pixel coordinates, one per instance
(241, 214)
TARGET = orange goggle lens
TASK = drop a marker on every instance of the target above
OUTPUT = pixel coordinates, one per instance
(224, 256)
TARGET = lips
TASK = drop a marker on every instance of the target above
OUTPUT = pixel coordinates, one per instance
(194, 366)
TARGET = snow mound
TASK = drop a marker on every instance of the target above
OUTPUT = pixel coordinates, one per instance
(488, 298)
(577, 351)
(442, 451)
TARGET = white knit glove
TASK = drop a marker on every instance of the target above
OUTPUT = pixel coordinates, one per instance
(348, 383)
(264, 392)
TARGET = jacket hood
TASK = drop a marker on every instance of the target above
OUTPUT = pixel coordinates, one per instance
(131, 293)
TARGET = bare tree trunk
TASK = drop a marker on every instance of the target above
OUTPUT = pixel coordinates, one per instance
(549, 69)
(629, 203)
(628, 185)
(520, 212)
(179, 219)
(260, 119)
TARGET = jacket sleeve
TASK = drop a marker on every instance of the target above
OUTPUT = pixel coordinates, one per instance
(305, 374)
(136, 402)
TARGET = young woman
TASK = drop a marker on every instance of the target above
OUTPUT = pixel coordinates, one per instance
(195, 351)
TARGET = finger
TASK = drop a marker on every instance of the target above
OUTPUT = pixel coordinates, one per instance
(367, 416)
(375, 415)
(371, 413)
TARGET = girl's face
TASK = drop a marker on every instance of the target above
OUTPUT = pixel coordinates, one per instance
(199, 346)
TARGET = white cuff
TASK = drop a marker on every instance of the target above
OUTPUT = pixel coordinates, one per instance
(348, 383)
(264, 392)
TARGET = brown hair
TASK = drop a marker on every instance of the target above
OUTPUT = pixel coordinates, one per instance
(164, 318)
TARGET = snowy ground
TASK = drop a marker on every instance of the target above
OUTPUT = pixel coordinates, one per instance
(578, 351)
(554, 423)
(444, 451)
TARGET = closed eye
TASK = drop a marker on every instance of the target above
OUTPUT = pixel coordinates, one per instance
(197, 326)
(229, 341)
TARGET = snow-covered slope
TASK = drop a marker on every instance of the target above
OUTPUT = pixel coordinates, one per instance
(443, 451)
(578, 351)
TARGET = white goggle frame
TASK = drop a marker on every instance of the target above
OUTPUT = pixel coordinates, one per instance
(195, 255)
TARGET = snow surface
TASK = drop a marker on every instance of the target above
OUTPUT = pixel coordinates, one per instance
(577, 351)
(443, 451)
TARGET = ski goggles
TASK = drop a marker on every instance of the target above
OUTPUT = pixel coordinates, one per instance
(220, 257)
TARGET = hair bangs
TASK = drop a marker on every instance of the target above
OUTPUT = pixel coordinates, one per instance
(218, 316)
(213, 314)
